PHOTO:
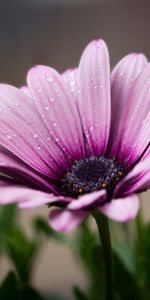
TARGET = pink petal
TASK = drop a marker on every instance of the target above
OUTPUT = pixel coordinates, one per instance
(94, 97)
(58, 110)
(26, 91)
(133, 133)
(70, 77)
(87, 200)
(122, 79)
(23, 132)
(14, 167)
(122, 210)
(136, 181)
(147, 153)
(12, 193)
(64, 220)
(38, 199)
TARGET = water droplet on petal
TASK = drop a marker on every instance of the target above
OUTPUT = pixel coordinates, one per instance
(47, 107)
(48, 138)
(72, 83)
(38, 147)
(91, 128)
(35, 135)
(87, 133)
(54, 124)
(52, 99)
(50, 79)
(9, 136)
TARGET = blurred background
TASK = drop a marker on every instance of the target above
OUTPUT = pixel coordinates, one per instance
(55, 32)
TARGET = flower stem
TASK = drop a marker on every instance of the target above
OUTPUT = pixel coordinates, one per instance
(104, 234)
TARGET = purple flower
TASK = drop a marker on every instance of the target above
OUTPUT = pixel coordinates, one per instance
(75, 141)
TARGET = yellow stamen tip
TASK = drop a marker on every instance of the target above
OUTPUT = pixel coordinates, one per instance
(75, 162)
(120, 173)
(104, 185)
(79, 191)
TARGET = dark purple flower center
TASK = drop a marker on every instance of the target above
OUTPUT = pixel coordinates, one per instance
(91, 174)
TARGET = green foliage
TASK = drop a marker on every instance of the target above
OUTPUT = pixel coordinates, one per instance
(128, 256)
(41, 227)
(131, 255)
(142, 255)
(79, 294)
(9, 289)
(22, 252)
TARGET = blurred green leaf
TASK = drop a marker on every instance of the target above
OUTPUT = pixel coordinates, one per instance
(52, 296)
(41, 227)
(125, 282)
(142, 254)
(29, 293)
(79, 295)
(91, 256)
(22, 253)
(121, 244)
(8, 219)
(9, 289)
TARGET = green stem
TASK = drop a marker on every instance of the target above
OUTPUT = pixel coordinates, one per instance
(104, 234)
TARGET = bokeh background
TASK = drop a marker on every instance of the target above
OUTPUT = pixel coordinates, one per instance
(55, 32)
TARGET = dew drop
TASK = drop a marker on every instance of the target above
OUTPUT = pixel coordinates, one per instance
(87, 133)
(38, 147)
(50, 79)
(91, 128)
(48, 138)
(54, 124)
(72, 83)
(9, 136)
(35, 135)
(52, 99)
(47, 107)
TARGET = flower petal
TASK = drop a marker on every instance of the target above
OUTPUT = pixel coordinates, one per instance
(136, 181)
(12, 193)
(88, 199)
(133, 132)
(37, 200)
(24, 134)
(23, 173)
(122, 210)
(58, 110)
(26, 91)
(94, 97)
(70, 77)
(64, 220)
